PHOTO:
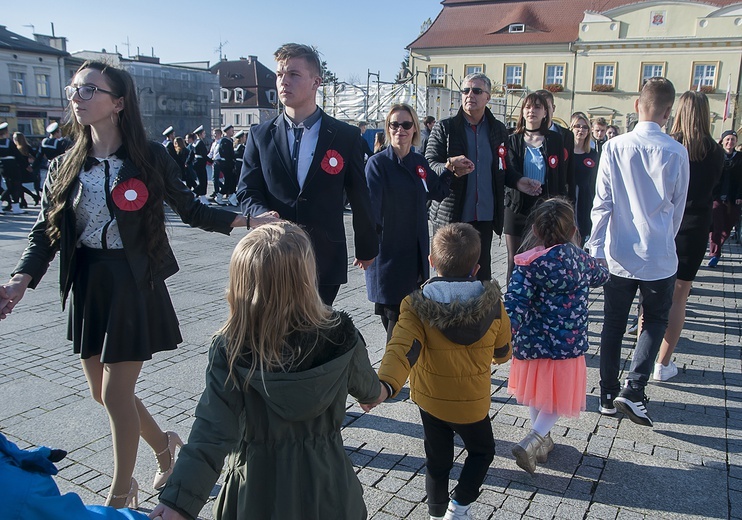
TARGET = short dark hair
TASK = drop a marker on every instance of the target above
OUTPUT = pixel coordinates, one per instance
(599, 121)
(455, 250)
(546, 94)
(428, 120)
(657, 93)
(309, 54)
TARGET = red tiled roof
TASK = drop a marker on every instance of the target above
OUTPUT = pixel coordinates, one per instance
(481, 23)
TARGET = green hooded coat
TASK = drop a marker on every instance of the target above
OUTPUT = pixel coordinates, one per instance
(286, 454)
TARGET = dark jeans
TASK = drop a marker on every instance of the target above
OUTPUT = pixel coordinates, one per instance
(328, 293)
(656, 298)
(216, 172)
(480, 446)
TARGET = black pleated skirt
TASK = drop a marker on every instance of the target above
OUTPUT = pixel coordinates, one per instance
(110, 316)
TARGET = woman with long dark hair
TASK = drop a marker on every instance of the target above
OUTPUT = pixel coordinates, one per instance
(692, 127)
(537, 153)
(102, 209)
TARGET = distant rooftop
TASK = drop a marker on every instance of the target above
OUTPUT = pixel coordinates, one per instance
(11, 41)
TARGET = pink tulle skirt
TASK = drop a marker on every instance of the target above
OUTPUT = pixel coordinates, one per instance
(551, 385)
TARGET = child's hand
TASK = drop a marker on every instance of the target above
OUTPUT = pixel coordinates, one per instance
(383, 396)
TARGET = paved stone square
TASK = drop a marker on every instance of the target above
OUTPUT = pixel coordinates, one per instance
(687, 466)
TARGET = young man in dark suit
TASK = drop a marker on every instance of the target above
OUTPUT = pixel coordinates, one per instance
(297, 165)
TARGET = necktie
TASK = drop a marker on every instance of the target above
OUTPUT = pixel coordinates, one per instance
(298, 131)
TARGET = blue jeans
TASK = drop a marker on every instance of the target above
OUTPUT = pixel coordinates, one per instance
(656, 302)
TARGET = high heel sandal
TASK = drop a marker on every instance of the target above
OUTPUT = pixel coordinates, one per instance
(173, 442)
(132, 497)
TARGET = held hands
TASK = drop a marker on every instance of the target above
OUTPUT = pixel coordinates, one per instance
(269, 217)
(461, 165)
(363, 264)
(12, 292)
(529, 186)
(162, 512)
(383, 396)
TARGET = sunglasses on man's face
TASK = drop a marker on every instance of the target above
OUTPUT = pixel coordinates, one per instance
(394, 125)
(475, 90)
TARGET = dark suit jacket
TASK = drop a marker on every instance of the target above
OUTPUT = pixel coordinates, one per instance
(267, 182)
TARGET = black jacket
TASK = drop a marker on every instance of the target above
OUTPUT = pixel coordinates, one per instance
(448, 139)
(39, 253)
(556, 171)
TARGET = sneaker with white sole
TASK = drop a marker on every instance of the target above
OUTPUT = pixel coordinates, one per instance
(663, 373)
(606, 404)
(457, 512)
(633, 404)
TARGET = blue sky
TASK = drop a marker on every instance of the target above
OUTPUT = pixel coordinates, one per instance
(352, 36)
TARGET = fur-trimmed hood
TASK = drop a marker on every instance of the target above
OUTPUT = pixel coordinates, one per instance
(462, 310)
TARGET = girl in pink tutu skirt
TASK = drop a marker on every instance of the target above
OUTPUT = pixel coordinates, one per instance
(547, 304)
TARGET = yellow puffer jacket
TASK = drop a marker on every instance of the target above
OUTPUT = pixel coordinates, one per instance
(446, 344)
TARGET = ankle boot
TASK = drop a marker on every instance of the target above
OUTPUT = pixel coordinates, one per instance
(542, 454)
(525, 451)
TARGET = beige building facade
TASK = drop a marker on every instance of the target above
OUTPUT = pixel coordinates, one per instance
(593, 61)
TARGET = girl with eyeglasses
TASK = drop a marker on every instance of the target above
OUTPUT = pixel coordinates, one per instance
(400, 184)
(102, 209)
(586, 171)
(536, 153)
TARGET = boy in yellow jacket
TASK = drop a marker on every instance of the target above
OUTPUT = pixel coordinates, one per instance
(448, 334)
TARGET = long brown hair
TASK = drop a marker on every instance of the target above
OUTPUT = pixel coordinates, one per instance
(550, 223)
(692, 126)
(576, 118)
(272, 292)
(532, 99)
(134, 139)
(21, 143)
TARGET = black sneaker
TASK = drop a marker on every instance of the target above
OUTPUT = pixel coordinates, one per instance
(606, 404)
(633, 404)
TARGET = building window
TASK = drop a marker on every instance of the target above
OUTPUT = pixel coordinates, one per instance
(704, 74)
(473, 69)
(221, 120)
(239, 95)
(272, 96)
(436, 76)
(651, 70)
(604, 77)
(43, 88)
(18, 83)
(554, 74)
(514, 75)
(237, 119)
(516, 28)
(248, 120)
(224, 95)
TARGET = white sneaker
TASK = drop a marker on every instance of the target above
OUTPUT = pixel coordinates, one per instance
(436, 517)
(457, 511)
(203, 200)
(16, 209)
(663, 373)
(233, 200)
(220, 199)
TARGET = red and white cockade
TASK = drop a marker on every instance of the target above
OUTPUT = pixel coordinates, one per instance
(553, 161)
(588, 162)
(332, 162)
(130, 195)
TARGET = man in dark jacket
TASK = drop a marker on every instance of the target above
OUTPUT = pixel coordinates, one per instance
(473, 142)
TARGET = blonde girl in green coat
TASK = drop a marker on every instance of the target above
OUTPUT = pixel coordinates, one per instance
(279, 374)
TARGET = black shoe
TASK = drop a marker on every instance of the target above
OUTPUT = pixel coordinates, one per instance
(606, 404)
(633, 404)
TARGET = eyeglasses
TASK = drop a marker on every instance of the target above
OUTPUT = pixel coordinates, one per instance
(394, 125)
(85, 92)
(582, 127)
(475, 90)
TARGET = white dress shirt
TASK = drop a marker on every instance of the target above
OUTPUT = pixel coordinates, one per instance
(639, 201)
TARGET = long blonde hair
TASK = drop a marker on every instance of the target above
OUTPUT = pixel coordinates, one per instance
(272, 293)
(576, 118)
(692, 125)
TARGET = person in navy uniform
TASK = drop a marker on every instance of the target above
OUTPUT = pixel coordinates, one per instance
(54, 145)
(168, 143)
(197, 160)
(297, 165)
(225, 159)
(11, 160)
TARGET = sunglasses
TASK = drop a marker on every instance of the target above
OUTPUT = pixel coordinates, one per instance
(394, 125)
(582, 127)
(475, 90)
(85, 92)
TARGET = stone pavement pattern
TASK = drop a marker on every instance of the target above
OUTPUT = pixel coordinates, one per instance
(687, 466)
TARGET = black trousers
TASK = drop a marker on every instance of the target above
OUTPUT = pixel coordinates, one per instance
(203, 180)
(480, 446)
(328, 293)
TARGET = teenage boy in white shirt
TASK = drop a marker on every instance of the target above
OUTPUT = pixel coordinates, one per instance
(639, 200)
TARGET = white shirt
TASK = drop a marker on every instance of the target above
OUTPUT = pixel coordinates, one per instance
(307, 145)
(97, 226)
(639, 201)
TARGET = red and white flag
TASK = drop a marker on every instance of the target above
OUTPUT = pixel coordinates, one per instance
(728, 99)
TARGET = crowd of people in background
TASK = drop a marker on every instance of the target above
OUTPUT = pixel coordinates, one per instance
(285, 358)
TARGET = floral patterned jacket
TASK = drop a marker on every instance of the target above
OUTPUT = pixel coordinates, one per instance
(547, 301)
